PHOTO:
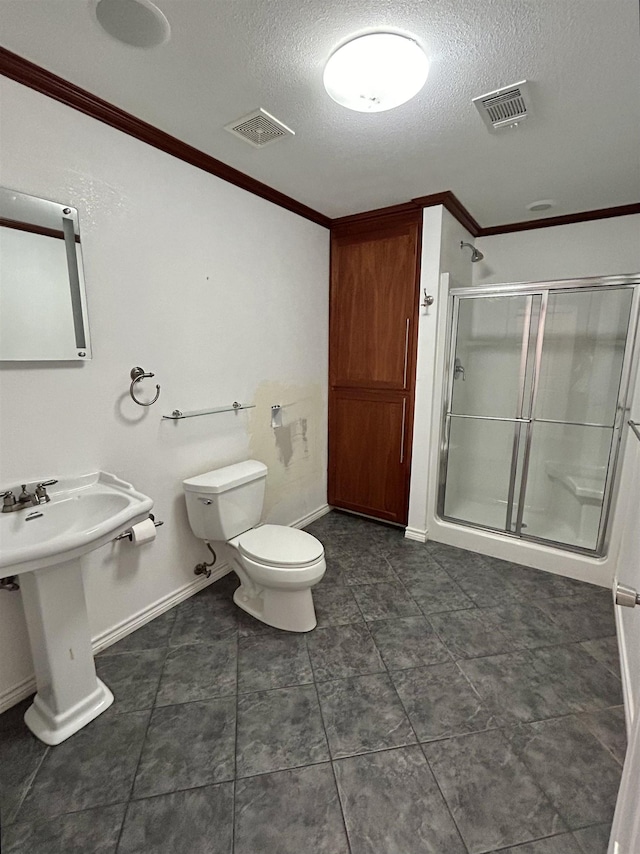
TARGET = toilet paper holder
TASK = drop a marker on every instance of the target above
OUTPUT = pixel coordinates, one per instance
(128, 534)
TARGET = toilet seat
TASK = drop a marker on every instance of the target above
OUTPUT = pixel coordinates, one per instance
(279, 546)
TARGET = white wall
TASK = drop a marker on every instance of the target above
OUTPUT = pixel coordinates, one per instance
(602, 247)
(219, 293)
(441, 254)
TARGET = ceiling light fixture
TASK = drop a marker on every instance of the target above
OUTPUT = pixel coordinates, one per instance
(376, 72)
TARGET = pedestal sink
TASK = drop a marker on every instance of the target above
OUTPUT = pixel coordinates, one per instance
(44, 545)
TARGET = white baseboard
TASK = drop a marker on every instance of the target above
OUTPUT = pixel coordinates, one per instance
(131, 624)
(311, 517)
(17, 692)
(27, 686)
(417, 534)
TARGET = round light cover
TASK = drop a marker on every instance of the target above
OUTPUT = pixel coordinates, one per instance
(138, 23)
(376, 72)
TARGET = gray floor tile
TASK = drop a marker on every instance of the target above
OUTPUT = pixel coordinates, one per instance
(440, 702)
(432, 588)
(154, 635)
(290, 812)
(392, 805)
(583, 683)
(334, 575)
(186, 746)
(279, 729)
(199, 672)
(366, 567)
(95, 767)
(562, 844)
(593, 840)
(578, 774)
(408, 642)
(512, 688)
(335, 606)
(384, 601)
(198, 821)
(273, 661)
(340, 651)
(605, 650)
(493, 798)
(94, 831)
(525, 626)
(21, 754)
(467, 634)
(585, 616)
(204, 618)
(609, 728)
(518, 658)
(362, 714)
(534, 584)
(412, 562)
(133, 677)
(455, 561)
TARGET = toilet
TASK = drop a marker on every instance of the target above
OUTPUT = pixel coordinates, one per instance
(277, 566)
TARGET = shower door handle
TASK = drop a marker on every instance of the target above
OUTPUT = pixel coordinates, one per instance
(627, 596)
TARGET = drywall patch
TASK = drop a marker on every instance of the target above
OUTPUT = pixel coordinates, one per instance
(295, 451)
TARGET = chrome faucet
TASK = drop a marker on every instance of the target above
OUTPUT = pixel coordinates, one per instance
(26, 499)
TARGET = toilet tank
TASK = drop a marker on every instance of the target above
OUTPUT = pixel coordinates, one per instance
(226, 502)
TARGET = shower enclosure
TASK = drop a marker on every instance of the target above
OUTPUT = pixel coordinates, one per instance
(534, 402)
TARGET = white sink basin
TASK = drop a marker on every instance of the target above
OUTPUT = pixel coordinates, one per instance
(83, 514)
(44, 545)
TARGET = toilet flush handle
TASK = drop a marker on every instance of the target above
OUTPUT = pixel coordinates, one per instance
(205, 500)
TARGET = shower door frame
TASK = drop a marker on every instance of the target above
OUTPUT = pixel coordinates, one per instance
(525, 425)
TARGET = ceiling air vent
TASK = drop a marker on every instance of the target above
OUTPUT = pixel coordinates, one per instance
(505, 107)
(259, 128)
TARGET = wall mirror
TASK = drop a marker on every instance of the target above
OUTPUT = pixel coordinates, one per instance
(43, 306)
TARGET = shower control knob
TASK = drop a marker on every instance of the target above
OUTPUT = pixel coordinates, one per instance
(627, 596)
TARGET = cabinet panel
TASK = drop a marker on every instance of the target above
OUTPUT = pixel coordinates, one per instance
(373, 300)
(368, 459)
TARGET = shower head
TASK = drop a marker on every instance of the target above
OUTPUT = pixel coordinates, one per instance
(476, 254)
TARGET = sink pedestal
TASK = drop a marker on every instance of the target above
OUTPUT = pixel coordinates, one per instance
(70, 695)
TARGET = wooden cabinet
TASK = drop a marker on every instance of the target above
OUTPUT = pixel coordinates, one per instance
(372, 355)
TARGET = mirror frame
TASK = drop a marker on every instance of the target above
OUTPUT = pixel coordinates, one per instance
(42, 216)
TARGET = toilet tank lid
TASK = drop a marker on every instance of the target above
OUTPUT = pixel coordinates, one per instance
(220, 480)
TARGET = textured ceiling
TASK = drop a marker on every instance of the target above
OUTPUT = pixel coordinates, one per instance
(225, 58)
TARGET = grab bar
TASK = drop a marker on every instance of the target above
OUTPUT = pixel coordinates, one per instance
(635, 426)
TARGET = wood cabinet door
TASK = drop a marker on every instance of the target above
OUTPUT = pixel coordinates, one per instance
(373, 307)
(368, 459)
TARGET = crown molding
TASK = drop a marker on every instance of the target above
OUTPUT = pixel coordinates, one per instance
(566, 219)
(23, 71)
(35, 77)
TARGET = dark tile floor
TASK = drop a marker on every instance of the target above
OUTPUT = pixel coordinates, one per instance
(446, 704)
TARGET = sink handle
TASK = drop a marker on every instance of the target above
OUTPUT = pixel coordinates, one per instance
(41, 491)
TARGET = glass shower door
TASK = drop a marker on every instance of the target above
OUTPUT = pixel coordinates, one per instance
(490, 381)
(573, 436)
(535, 396)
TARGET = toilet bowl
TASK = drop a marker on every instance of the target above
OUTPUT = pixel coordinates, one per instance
(277, 566)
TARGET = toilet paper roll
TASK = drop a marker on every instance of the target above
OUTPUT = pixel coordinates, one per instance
(143, 532)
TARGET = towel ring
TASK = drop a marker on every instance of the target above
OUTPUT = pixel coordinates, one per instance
(136, 375)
